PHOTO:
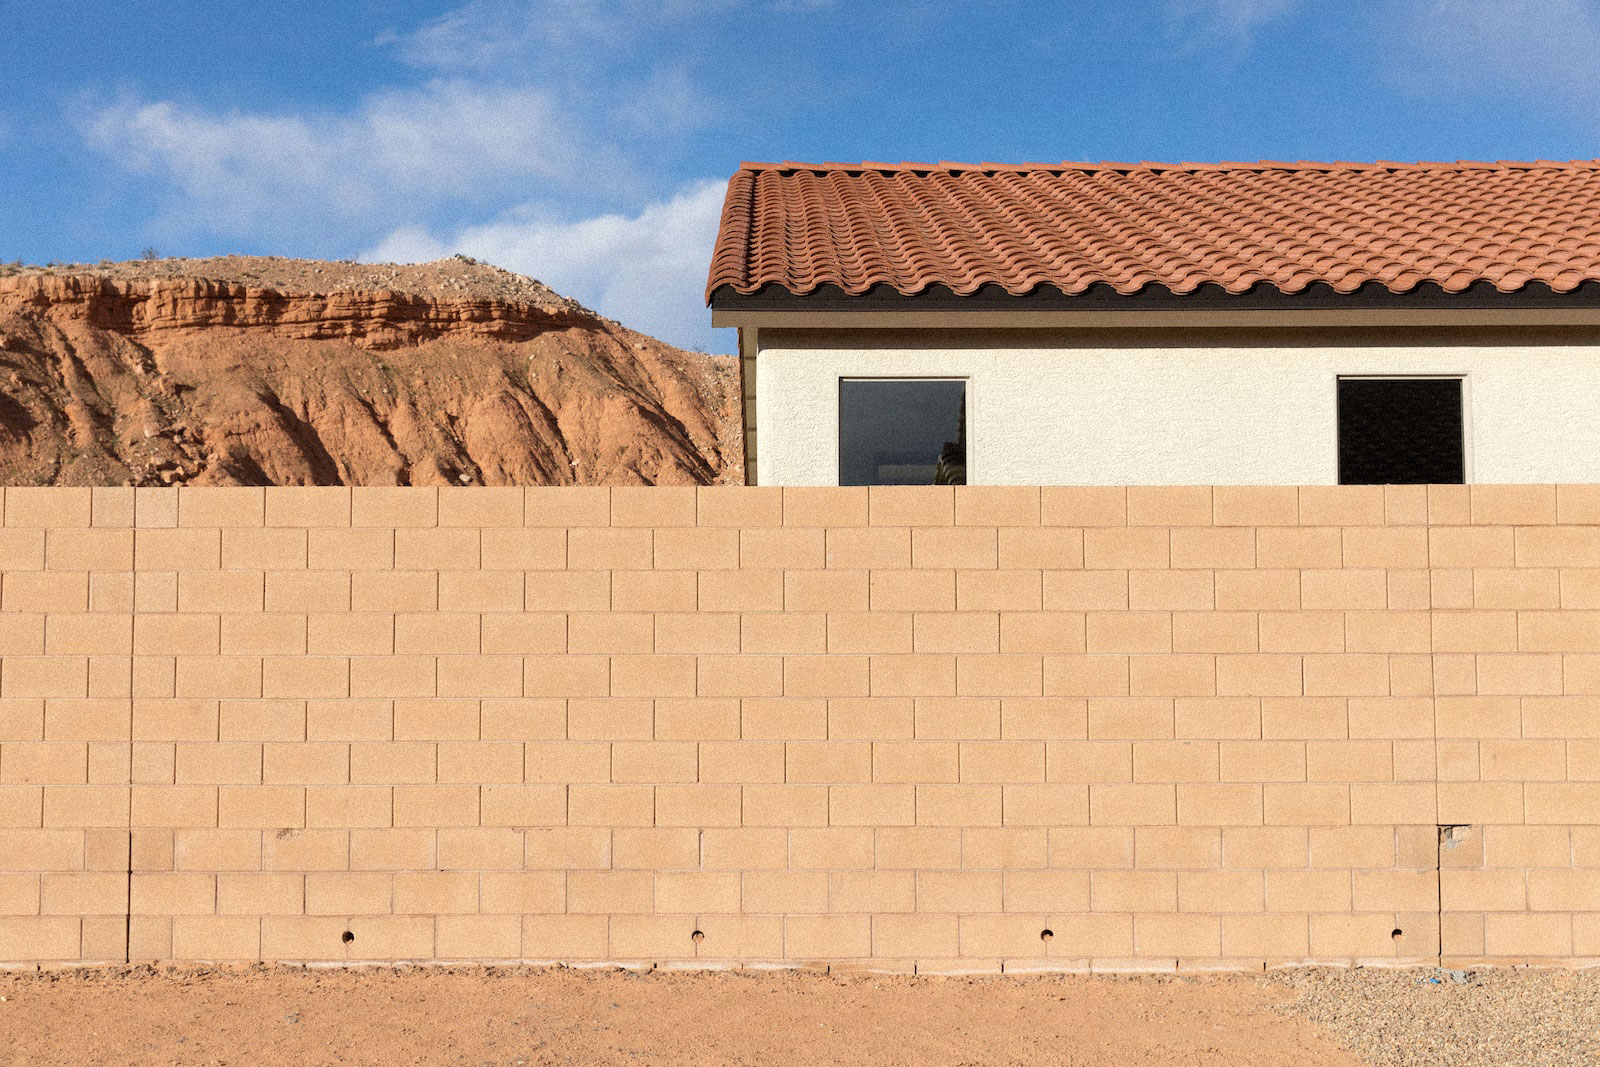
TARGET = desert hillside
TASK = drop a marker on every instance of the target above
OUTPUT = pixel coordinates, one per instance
(252, 371)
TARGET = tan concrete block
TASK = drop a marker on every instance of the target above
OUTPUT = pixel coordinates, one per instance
(350, 549)
(842, 848)
(1525, 675)
(920, 591)
(331, 720)
(1115, 548)
(1527, 935)
(44, 676)
(825, 506)
(33, 938)
(996, 505)
(1138, 891)
(791, 548)
(1093, 675)
(783, 719)
(566, 676)
(1557, 802)
(610, 892)
(1089, 761)
(1169, 505)
(1005, 848)
(477, 937)
(870, 718)
(457, 805)
(747, 590)
(973, 547)
(1083, 506)
(609, 805)
(1117, 804)
(1175, 675)
(1008, 590)
(35, 592)
(83, 893)
(1170, 590)
(868, 548)
(260, 894)
(997, 762)
(1405, 505)
(521, 892)
(341, 893)
(701, 549)
(263, 635)
(1130, 718)
(1393, 631)
(1255, 505)
(915, 936)
(779, 633)
(654, 761)
(1085, 591)
(894, 805)
(263, 807)
(567, 505)
(1043, 718)
(478, 591)
(560, 762)
(1344, 590)
(211, 763)
(348, 806)
(1174, 761)
(564, 937)
(1220, 892)
(694, 719)
(1030, 631)
(895, 505)
(1052, 804)
(303, 676)
(1395, 890)
(68, 549)
(165, 893)
(565, 848)
(1346, 675)
(962, 718)
(480, 506)
(1260, 590)
(1393, 802)
(653, 506)
(1219, 548)
(307, 506)
(1513, 505)
(608, 719)
(394, 591)
(21, 550)
(967, 891)
(829, 591)
(743, 848)
(739, 676)
(1341, 505)
(1349, 761)
(915, 761)
(737, 505)
(1268, 846)
(1208, 804)
(394, 506)
(1309, 804)
(49, 506)
(1216, 717)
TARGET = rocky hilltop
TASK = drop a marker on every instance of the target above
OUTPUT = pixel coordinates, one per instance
(268, 371)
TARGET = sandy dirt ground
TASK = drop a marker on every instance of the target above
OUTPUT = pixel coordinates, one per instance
(481, 1017)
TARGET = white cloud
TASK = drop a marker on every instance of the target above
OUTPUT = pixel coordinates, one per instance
(398, 153)
(483, 34)
(646, 270)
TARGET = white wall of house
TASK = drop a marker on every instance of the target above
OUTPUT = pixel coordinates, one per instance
(1092, 409)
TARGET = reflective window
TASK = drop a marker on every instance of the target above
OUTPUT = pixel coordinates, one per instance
(1400, 431)
(902, 431)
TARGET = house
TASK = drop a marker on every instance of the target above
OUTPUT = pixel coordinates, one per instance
(1109, 323)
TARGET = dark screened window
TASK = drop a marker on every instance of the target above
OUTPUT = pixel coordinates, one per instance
(1400, 431)
(902, 432)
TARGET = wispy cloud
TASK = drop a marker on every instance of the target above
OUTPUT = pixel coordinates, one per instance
(1238, 19)
(398, 153)
(646, 269)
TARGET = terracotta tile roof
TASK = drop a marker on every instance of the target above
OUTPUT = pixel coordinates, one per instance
(1132, 225)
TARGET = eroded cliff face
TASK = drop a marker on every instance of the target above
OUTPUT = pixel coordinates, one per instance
(291, 373)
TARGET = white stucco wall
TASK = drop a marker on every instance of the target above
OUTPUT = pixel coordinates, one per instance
(1106, 412)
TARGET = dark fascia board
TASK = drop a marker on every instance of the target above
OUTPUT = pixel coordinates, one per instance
(1208, 297)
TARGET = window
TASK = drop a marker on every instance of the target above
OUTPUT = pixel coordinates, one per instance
(902, 431)
(1400, 431)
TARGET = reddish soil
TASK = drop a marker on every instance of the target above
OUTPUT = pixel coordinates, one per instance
(259, 370)
(526, 1017)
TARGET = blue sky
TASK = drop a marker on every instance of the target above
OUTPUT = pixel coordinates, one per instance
(586, 142)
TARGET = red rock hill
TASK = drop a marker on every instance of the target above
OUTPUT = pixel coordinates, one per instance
(252, 371)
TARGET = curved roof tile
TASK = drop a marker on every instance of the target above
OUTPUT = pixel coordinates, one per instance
(1074, 225)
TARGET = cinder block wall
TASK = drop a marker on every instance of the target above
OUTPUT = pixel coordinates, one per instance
(906, 727)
